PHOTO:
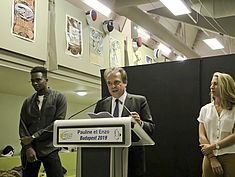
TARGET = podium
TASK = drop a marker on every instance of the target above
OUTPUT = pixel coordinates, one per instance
(102, 144)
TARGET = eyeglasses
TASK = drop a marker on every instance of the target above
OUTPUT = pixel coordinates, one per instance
(115, 83)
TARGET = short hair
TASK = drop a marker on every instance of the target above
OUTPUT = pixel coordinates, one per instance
(114, 70)
(226, 87)
(40, 69)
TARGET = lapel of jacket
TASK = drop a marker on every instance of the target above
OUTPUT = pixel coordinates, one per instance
(108, 105)
(34, 102)
(127, 103)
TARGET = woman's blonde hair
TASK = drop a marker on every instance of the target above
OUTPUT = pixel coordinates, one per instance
(226, 87)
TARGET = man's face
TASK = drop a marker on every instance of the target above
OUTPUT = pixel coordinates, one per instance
(39, 83)
(115, 84)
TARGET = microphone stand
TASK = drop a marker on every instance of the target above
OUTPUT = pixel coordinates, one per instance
(133, 121)
(124, 106)
(25, 128)
(86, 108)
(82, 110)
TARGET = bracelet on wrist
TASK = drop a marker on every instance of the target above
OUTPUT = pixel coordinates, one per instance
(211, 156)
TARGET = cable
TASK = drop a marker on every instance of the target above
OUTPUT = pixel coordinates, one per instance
(212, 19)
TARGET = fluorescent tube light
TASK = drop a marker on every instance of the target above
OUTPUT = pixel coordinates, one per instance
(213, 43)
(81, 92)
(177, 7)
(99, 7)
(143, 33)
(165, 50)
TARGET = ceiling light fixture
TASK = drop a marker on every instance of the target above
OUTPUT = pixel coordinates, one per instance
(180, 58)
(177, 7)
(213, 43)
(81, 92)
(143, 33)
(165, 50)
(99, 7)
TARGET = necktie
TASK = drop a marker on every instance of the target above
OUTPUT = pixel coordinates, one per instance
(116, 109)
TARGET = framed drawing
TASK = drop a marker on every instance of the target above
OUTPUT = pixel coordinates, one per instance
(73, 36)
(23, 19)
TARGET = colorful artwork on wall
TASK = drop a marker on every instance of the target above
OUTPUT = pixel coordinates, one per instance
(23, 19)
(74, 46)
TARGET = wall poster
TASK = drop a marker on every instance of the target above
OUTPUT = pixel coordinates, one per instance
(148, 59)
(73, 36)
(96, 46)
(23, 19)
(115, 52)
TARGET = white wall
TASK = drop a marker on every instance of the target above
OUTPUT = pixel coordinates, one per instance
(10, 106)
(9, 118)
(36, 49)
(35, 53)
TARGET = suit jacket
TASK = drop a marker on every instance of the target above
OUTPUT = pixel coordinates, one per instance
(137, 103)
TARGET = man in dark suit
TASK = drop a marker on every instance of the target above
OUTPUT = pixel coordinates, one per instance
(123, 104)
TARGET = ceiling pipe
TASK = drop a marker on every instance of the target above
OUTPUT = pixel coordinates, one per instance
(215, 8)
(148, 23)
(128, 3)
(213, 15)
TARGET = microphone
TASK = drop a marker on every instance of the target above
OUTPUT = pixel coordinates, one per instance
(86, 108)
(124, 106)
(134, 136)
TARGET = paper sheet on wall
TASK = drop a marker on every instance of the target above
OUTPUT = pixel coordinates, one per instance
(96, 46)
(23, 19)
(114, 52)
(73, 37)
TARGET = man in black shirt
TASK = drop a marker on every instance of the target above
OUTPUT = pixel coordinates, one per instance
(37, 116)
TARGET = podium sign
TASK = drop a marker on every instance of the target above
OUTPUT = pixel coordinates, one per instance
(104, 132)
(102, 139)
(88, 135)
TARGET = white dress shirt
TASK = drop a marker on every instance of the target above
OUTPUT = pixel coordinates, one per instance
(121, 103)
(218, 126)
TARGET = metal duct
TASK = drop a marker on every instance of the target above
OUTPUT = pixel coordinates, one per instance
(139, 17)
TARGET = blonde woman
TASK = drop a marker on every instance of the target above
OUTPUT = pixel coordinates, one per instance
(216, 128)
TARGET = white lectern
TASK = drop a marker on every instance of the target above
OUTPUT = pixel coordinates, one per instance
(102, 144)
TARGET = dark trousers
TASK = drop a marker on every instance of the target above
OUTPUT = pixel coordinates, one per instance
(51, 163)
